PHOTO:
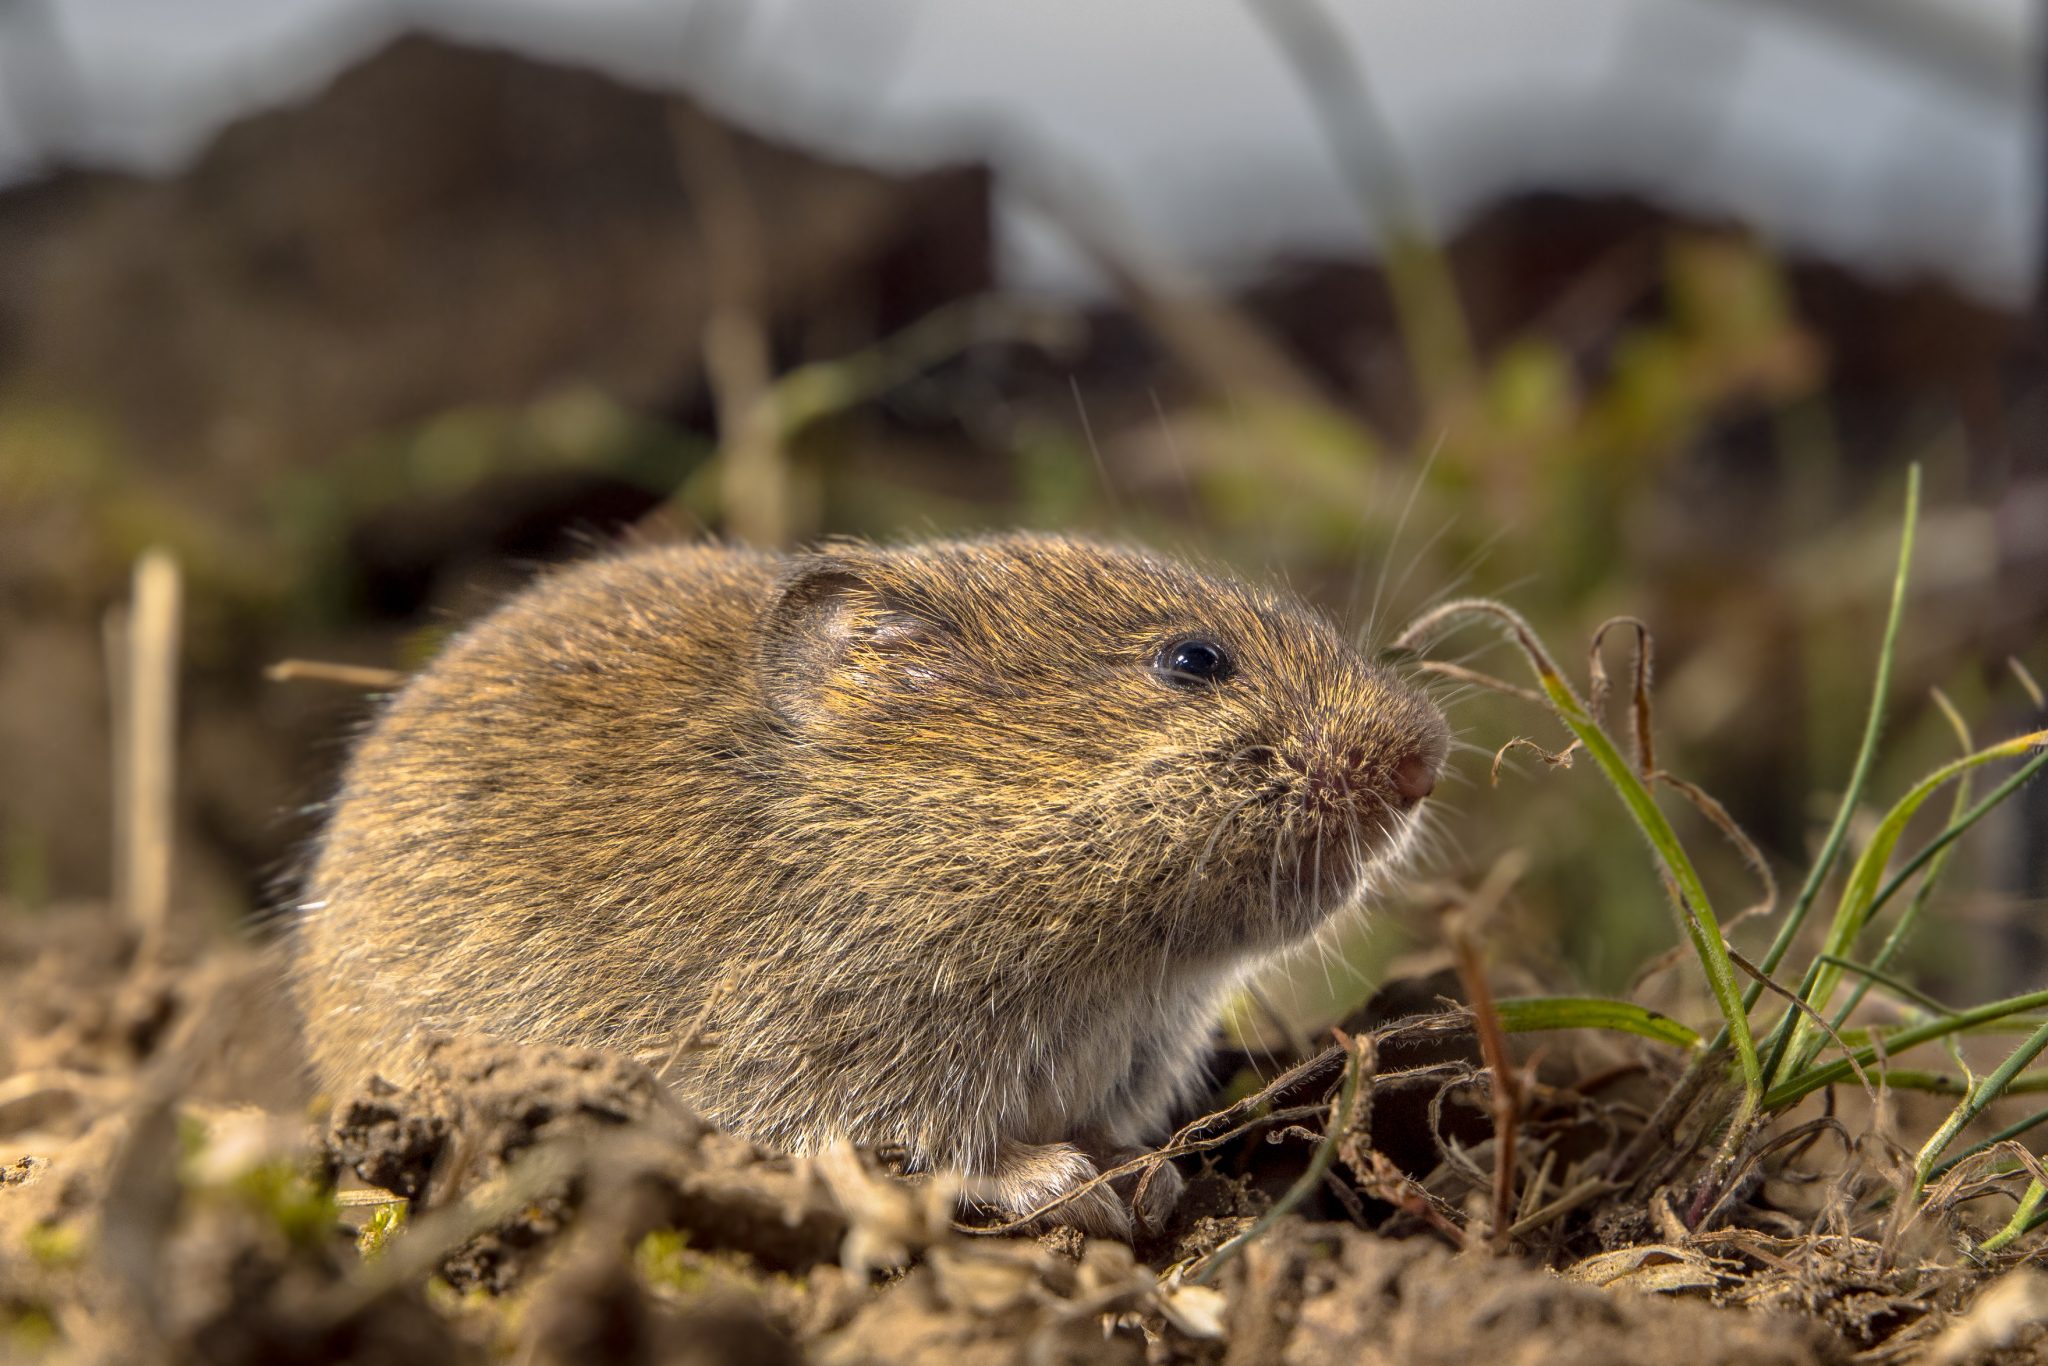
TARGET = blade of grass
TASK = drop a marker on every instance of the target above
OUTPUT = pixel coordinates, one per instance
(1948, 1084)
(1805, 1083)
(1700, 925)
(1939, 864)
(1870, 976)
(1933, 857)
(1866, 754)
(2024, 1219)
(2011, 1024)
(1859, 897)
(2009, 1132)
(1535, 1014)
(1981, 1095)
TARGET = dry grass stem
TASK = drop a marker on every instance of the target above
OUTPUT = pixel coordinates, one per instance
(364, 676)
(149, 771)
(1461, 930)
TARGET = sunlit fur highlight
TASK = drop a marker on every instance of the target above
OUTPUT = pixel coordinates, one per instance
(895, 845)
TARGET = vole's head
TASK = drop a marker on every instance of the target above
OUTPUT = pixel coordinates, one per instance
(1076, 731)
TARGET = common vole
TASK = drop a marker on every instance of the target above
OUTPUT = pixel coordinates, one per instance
(957, 846)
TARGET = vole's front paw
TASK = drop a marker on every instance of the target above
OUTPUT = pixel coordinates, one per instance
(1151, 1193)
(1029, 1176)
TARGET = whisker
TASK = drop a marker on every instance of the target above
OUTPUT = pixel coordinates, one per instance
(1209, 848)
(1393, 543)
(1414, 563)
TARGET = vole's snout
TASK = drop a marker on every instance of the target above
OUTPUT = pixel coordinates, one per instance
(1334, 779)
(1329, 779)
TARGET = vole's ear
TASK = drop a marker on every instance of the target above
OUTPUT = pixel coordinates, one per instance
(828, 619)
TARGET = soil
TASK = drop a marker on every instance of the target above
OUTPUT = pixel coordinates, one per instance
(168, 1195)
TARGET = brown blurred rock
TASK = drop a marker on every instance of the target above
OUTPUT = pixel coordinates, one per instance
(441, 225)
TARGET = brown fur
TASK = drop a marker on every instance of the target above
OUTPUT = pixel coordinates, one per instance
(915, 842)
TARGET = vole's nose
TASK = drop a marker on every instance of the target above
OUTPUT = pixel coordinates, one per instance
(1414, 778)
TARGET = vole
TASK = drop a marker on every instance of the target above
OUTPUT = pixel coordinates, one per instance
(958, 846)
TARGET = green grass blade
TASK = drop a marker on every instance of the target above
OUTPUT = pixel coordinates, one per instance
(1695, 910)
(1949, 1084)
(1866, 754)
(1700, 925)
(1934, 858)
(1981, 1095)
(1860, 896)
(2010, 1131)
(2025, 1218)
(1533, 1014)
(1936, 862)
(1805, 1083)
(2011, 1024)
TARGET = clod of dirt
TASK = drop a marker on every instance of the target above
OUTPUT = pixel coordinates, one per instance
(594, 1308)
(995, 1302)
(481, 1104)
(1332, 1295)
(128, 1251)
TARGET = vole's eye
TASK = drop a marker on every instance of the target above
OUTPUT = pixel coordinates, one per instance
(1193, 663)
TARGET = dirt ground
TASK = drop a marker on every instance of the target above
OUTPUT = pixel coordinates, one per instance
(168, 1195)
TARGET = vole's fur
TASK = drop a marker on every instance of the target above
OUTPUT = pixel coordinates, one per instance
(906, 846)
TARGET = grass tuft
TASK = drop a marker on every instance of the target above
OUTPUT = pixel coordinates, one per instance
(1734, 1087)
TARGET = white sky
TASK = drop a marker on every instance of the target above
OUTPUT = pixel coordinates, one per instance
(1184, 108)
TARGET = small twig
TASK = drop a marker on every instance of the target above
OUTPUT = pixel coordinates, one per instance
(1539, 1185)
(1718, 816)
(1143, 1162)
(1478, 679)
(1382, 1180)
(1660, 1131)
(374, 1197)
(1590, 1189)
(363, 676)
(1493, 1042)
(1704, 1217)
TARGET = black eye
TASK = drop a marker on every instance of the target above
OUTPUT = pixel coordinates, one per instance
(1193, 663)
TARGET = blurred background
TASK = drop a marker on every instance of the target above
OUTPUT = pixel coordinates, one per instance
(367, 310)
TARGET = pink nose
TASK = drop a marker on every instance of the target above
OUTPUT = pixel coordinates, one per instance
(1414, 778)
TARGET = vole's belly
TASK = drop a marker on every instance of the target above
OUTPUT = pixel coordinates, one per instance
(1127, 1063)
(1101, 1067)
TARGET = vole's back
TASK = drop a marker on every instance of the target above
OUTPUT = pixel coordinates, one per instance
(498, 835)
